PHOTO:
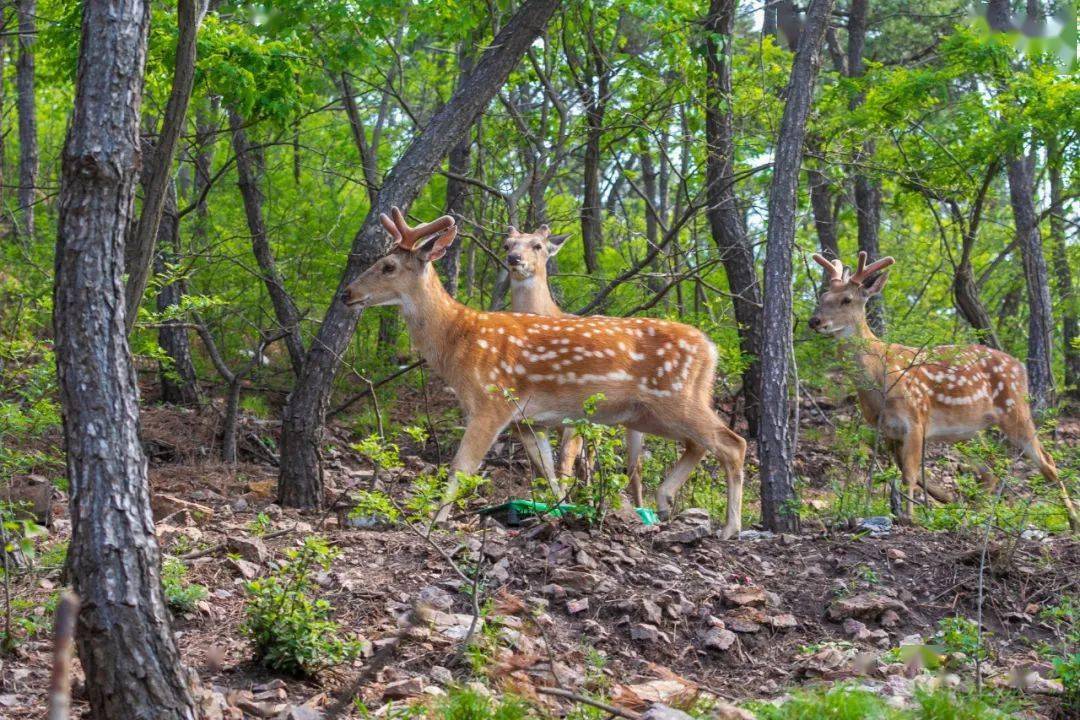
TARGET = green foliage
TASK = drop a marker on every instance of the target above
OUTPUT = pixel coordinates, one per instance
(373, 504)
(260, 525)
(961, 635)
(844, 702)
(292, 632)
(381, 454)
(180, 595)
(470, 704)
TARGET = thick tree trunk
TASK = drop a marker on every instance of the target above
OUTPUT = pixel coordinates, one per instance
(592, 229)
(1040, 312)
(725, 216)
(139, 250)
(301, 471)
(1070, 327)
(778, 499)
(966, 295)
(179, 383)
(125, 643)
(249, 171)
(28, 142)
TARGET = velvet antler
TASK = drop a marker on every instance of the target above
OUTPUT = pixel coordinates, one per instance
(408, 238)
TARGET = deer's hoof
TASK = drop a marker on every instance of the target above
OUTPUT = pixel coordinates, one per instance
(730, 531)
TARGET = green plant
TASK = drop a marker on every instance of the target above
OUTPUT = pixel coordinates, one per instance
(844, 702)
(381, 454)
(293, 632)
(180, 595)
(961, 635)
(373, 504)
(260, 525)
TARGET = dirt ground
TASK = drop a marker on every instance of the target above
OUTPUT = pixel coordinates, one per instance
(635, 613)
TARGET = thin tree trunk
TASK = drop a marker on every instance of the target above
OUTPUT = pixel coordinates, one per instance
(28, 141)
(179, 382)
(1070, 327)
(5, 20)
(125, 642)
(301, 482)
(867, 188)
(139, 250)
(457, 190)
(249, 171)
(1040, 312)
(778, 499)
(725, 217)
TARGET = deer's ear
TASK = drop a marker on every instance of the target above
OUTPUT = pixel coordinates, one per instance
(876, 286)
(555, 243)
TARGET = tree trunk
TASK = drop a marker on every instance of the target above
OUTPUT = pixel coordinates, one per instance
(592, 229)
(1040, 313)
(28, 142)
(457, 190)
(179, 383)
(249, 171)
(778, 499)
(125, 642)
(867, 188)
(301, 472)
(1070, 327)
(725, 217)
(139, 250)
(966, 295)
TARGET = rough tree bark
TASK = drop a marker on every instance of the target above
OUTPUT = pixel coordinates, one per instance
(139, 250)
(965, 288)
(774, 435)
(1040, 311)
(867, 188)
(28, 142)
(594, 94)
(179, 382)
(300, 483)
(125, 642)
(725, 215)
(1070, 327)
(249, 171)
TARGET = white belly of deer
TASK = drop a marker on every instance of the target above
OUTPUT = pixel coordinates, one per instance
(953, 429)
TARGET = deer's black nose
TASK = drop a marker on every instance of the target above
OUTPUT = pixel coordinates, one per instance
(815, 321)
(513, 259)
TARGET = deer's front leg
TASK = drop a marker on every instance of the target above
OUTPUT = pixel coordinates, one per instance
(635, 445)
(538, 449)
(909, 457)
(480, 433)
(569, 452)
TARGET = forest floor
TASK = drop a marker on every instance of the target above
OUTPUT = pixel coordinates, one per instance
(624, 612)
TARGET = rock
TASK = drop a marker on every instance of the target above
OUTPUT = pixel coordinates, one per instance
(31, 496)
(164, 505)
(246, 570)
(401, 689)
(826, 662)
(651, 611)
(454, 626)
(877, 526)
(741, 595)
(855, 629)
(300, 712)
(252, 549)
(695, 516)
(719, 639)
(210, 703)
(240, 504)
(556, 591)
(659, 711)
(754, 535)
(576, 606)
(434, 596)
(682, 536)
(721, 710)
(441, 675)
(742, 624)
(869, 606)
(261, 709)
(644, 632)
(895, 554)
(889, 619)
(783, 621)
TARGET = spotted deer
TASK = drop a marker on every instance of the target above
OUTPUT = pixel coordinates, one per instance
(513, 368)
(527, 256)
(918, 395)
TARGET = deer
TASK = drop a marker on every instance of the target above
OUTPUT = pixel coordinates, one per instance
(947, 393)
(653, 376)
(527, 256)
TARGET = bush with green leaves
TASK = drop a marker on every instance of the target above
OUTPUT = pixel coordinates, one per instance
(180, 595)
(292, 631)
(845, 702)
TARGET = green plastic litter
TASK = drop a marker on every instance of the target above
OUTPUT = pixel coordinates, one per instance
(514, 511)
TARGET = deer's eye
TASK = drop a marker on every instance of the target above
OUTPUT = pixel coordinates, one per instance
(388, 268)
(536, 247)
(846, 301)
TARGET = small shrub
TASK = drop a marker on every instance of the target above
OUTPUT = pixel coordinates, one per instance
(292, 632)
(180, 595)
(469, 704)
(961, 635)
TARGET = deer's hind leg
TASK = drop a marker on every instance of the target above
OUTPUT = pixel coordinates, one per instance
(635, 445)
(710, 433)
(1020, 430)
(541, 458)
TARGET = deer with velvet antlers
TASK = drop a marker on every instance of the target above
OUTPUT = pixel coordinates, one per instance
(918, 395)
(513, 368)
(527, 256)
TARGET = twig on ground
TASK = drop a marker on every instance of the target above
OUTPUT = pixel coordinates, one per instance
(567, 695)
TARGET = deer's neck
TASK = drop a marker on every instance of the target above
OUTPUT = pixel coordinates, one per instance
(436, 321)
(532, 295)
(870, 354)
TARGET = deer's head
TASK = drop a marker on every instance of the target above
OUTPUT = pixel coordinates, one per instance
(841, 309)
(527, 253)
(401, 272)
